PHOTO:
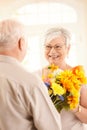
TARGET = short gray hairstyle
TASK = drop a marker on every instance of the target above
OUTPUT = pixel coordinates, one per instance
(57, 31)
(10, 31)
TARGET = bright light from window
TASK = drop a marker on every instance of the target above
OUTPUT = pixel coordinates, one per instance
(49, 13)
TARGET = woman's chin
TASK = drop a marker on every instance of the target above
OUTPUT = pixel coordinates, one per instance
(53, 62)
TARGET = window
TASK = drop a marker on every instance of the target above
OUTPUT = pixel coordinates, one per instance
(43, 13)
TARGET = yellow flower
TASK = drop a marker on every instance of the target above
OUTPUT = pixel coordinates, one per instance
(50, 75)
(57, 89)
(43, 77)
(53, 67)
(50, 91)
(73, 101)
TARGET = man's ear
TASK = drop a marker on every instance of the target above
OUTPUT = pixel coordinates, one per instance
(21, 43)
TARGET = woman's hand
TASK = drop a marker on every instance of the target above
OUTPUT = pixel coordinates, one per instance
(83, 96)
(81, 110)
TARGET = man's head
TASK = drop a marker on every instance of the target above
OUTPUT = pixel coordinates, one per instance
(13, 40)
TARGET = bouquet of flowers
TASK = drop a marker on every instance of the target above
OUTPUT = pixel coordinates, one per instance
(64, 86)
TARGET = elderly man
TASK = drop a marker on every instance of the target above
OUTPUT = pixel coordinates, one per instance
(24, 102)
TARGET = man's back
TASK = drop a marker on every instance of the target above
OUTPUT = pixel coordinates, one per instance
(21, 98)
(14, 113)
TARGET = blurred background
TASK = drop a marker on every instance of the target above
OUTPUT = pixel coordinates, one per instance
(39, 15)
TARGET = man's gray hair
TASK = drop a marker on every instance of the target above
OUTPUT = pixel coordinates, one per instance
(57, 31)
(10, 31)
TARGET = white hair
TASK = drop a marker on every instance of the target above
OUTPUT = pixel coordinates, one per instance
(55, 32)
(10, 32)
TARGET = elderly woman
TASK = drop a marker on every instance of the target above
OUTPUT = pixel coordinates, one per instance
(57, 46)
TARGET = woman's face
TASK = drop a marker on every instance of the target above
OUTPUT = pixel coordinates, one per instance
(56, 51)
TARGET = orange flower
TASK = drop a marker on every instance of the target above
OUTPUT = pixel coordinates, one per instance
(77, 69)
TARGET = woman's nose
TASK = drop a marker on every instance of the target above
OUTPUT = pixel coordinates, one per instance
(52, 50)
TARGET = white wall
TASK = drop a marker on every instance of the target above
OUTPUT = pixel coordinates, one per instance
(8, 7)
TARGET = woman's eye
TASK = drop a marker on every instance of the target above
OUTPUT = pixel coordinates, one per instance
(48, 47)
(57, 46)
